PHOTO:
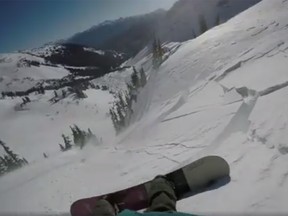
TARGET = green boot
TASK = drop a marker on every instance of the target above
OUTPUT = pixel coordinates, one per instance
(161, 195)
(104, 208)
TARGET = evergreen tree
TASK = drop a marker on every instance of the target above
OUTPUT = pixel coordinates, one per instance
(160, 49)
(218, 21)
(129, 101)
(155, 48)
(121, 101)
(79, 94)
(135, 78)
(80, 137)
(24, 161)
(27, 99)
(14, 157)
(114, 119)
(76, 135)
(3, 167)
(129, 87)
(91, 136)
(121, 116)
(62, 148)
(55, 94)
(132, 93)
(202, 24)
(63, 93)
(157, 53)
(143, 78)
(8, 161)
(67, 142)
(104, 88)
(193, 34)
(42, 90)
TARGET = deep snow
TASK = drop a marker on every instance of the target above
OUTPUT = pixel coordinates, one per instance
(222, 93)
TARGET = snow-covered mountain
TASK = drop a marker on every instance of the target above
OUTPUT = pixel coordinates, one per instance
(21, 71)
(124, 35)
(30, 68)
(222, 93)
(79, 56)
(180, 23)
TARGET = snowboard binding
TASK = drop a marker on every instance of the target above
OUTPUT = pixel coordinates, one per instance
(105, 207)
(161, 195)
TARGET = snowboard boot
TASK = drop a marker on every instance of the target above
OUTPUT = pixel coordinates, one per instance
(161, 195)
(104, 208)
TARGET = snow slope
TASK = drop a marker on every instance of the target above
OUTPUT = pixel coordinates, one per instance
(17, 75)
(222, 93)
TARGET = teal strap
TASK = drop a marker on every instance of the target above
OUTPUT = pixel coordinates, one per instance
(134, 213)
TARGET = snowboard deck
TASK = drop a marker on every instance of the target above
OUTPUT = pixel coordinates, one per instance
(207, 173)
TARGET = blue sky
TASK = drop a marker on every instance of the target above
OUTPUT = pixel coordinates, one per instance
(26, 24)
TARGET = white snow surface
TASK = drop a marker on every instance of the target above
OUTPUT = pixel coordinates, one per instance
(16, 75)
(100, 52)
(223, 93)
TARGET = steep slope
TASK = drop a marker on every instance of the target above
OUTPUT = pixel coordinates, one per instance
(221, 93)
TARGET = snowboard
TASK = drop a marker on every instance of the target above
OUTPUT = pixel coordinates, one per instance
(207, 173)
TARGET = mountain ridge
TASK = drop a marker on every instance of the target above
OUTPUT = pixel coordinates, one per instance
(170, 26)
